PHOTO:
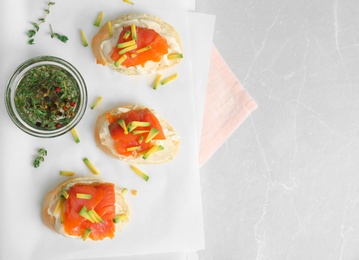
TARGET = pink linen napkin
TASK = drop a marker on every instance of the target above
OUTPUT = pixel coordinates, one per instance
(227, 105)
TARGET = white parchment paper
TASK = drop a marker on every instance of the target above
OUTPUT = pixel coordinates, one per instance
(166, 214)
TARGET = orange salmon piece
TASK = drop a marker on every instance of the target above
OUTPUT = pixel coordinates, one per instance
(124, 141)
(145, 37)
(102, 201)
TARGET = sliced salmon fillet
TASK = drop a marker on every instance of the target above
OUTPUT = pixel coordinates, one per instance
(102, 201)
(145, 37)
(124, 141)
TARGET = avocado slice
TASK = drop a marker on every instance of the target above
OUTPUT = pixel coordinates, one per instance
(110, 30)
(174, 56)
(126, 44)
(59, 204)
(95, 215)
(83, 196)
(144, 49)
(123, 191)
(140, 123)
(134, 32)
(169, 79)
(127, 33)
(140, 173)
(87, 233)
(157, 81)
(122, 123)
(120, 60)
(97, 101)
(85, 214)
(90, 166)
(64, 194)
(153, 149)
(98, 19)
(153, 132)
(67, 173)
(133, 148)
(127, 49)
(75, 135)
(119, 218)
(83, 38)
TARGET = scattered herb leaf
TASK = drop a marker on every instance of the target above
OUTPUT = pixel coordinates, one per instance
(41, 153)
(61, 37)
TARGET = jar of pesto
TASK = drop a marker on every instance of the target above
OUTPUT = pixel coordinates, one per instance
(46, 96)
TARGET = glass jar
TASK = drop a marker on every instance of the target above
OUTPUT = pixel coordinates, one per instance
(46, 96)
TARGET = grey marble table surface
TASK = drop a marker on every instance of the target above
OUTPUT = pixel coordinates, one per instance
(285, 185)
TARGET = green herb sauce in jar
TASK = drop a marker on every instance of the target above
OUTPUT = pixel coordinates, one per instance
(46, 97)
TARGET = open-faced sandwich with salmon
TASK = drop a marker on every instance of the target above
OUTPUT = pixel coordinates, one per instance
(137, 44)
(85, 208)
(136, 134)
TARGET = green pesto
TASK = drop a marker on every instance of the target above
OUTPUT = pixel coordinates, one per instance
(47, 97)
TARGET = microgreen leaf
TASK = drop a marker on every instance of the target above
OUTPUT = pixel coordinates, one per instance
(41, 153)
(31, 33)
(60, 37)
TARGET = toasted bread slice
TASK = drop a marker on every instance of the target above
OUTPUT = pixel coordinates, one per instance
(103, 43)
(105, 143)
(52, 219)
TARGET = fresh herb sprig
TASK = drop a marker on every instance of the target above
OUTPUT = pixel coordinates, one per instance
(61, 37)
(41, 153)
(31, 33)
